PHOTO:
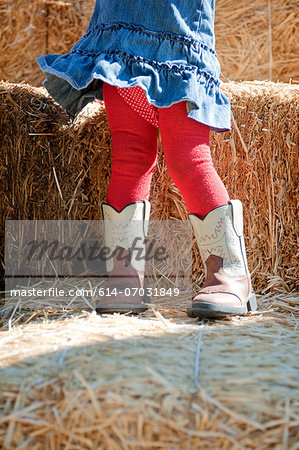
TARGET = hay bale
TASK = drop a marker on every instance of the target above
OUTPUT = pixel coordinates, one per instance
(257, 40)
(257, 162)
(253, 41)
(39, 142)
(31, 28)
(44, 170)
(124, 383)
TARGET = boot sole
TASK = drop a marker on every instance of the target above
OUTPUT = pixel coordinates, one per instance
(118, 308)
(124, 308)
(213, 311)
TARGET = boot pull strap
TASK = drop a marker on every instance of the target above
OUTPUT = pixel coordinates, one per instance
(146, 216)
(237, 216)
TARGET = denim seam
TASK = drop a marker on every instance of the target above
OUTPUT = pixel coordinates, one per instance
(161, 66)
(169, 36)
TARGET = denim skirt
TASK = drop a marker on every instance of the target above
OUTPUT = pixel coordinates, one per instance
(167, 47)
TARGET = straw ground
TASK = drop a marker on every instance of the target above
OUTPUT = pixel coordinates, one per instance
(73, 379)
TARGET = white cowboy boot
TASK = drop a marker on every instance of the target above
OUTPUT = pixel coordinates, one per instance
(125, 233)
(227, 288)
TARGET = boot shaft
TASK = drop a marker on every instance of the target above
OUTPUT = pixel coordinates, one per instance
(220, 233)
(127, 229)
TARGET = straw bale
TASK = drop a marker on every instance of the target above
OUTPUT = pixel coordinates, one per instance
(125, 382)
(254, 40)
(31, 28)
(259, 165)
(258, 162)
(258, 40)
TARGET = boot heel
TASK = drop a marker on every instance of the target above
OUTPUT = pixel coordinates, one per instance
(251, 303)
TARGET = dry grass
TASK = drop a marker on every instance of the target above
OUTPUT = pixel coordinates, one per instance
(256, 40)
(71, 379)
(156, 381)
(31, 28)
(74, 380)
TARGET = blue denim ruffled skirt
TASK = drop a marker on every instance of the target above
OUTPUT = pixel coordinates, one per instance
(167, 47)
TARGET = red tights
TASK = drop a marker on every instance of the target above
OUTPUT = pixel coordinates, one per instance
(186, 149)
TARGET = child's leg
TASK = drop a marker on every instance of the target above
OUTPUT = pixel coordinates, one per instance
(217, 222)
(188, 159)
(134, 153)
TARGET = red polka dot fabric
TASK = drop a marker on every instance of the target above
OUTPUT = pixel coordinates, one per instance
(136, 99)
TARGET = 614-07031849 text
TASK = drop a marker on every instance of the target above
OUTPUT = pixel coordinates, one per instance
(156, 292)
